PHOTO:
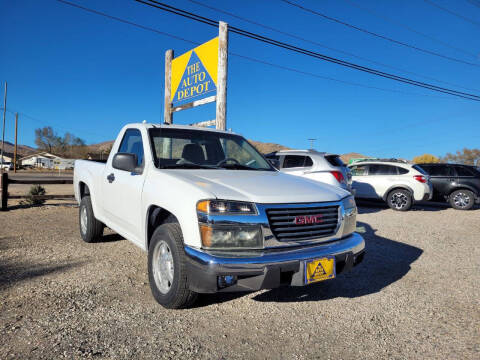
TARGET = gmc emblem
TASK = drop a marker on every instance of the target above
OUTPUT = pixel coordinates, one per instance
(308, 219)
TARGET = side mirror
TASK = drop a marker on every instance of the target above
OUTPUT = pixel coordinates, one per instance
(274, 162)
(125, 161)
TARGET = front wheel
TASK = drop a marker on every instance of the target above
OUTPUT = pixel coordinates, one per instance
(399, 199)
(167, 271)
(462, 199)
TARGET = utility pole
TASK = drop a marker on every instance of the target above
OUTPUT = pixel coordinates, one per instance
(167, 107)
(15, 148)
(312, 141)
(221, 105)
(4, 110)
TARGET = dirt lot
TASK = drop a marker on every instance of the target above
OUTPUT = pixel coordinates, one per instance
(416, 295)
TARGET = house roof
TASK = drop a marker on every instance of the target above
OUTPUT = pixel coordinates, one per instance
(42, 154)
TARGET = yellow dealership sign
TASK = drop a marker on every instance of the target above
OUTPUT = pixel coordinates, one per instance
(194, 74)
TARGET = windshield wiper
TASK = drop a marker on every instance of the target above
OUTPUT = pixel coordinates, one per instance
(237, 167)
(187, 166)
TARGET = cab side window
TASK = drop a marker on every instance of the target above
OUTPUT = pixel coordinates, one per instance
(132, 143)
(439, 170)
(382, 170)
(463, 171)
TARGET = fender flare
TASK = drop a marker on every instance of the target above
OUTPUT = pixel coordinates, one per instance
(465, 187)
(399, 186)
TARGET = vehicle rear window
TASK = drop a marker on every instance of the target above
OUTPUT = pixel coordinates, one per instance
(420, 169)
(334, 160)
(464, 171)
(403, 171)
(292, 161)
(381, 169)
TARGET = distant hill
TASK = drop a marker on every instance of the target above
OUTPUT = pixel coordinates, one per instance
(103, 146)
(22, 150)
(353, 155)
(266, 148)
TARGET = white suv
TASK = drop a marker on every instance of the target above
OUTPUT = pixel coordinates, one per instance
(396, 182)
(314, 165)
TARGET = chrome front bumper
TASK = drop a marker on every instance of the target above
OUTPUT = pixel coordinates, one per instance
(267, 269)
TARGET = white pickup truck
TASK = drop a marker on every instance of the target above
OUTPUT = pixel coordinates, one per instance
(213, 214)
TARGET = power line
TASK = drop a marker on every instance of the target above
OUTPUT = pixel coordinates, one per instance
(474, 3)
(323, 45)
(390, 20)
(298, 71)
(378, 35)
(248, 57)
(452, 13)
(24, 115)
(310, 53)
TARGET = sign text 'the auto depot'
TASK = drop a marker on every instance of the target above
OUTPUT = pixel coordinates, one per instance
(194, 74)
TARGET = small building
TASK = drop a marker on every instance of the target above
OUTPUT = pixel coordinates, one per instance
(63, 164)
(41, 160)
(7, 159)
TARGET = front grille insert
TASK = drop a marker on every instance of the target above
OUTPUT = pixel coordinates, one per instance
(302, 223)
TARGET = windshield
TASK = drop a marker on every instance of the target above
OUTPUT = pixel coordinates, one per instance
(195, 149)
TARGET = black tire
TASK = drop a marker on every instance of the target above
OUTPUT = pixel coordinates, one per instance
(399, 200)
(178, 295)
(93, 229)
(462, 199)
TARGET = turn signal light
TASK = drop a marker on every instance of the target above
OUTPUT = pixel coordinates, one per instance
(420, 178)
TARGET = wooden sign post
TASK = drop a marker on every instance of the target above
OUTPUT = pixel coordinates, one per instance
(221, 105)
(195, 75)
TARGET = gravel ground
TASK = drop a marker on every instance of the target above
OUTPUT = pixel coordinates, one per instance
(416, 295)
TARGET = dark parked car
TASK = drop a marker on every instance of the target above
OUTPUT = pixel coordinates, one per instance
(455, 183)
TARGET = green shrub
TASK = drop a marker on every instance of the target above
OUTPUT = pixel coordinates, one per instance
(30, 198)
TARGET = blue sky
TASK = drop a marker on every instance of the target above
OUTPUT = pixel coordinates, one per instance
(90, 75)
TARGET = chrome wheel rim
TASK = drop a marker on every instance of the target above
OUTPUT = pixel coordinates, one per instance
(399, 200)
(461, 200)
(163, 268)
(83, 219)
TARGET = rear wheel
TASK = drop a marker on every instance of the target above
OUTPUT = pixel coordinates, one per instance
(91, 229)
(462, 199)
(167, 270)
(399, 200)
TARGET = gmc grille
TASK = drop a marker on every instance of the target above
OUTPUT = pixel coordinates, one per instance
(284, 227)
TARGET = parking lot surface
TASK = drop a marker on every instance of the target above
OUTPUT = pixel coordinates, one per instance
(415, 296)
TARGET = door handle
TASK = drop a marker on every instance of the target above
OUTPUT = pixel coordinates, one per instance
(111, 178)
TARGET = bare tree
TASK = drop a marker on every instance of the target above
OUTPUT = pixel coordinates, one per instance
(69, 145)
(46, 139)
(466, 156)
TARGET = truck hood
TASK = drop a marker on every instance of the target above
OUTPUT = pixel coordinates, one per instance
(260, 186)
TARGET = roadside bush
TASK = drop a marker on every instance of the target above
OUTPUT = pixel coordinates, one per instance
(30, 198)
(426, 158)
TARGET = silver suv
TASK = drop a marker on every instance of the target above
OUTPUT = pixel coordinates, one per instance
(311, 164)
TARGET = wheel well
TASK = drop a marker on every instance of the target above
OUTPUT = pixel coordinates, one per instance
(397, 188)
(157, 216)
(462, 188)
(84, 190)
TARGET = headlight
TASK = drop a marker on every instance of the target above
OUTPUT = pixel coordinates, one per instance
(350, 219)
(222, 207)
(231, 236)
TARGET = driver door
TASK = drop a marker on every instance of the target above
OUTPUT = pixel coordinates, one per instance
(122, 190)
